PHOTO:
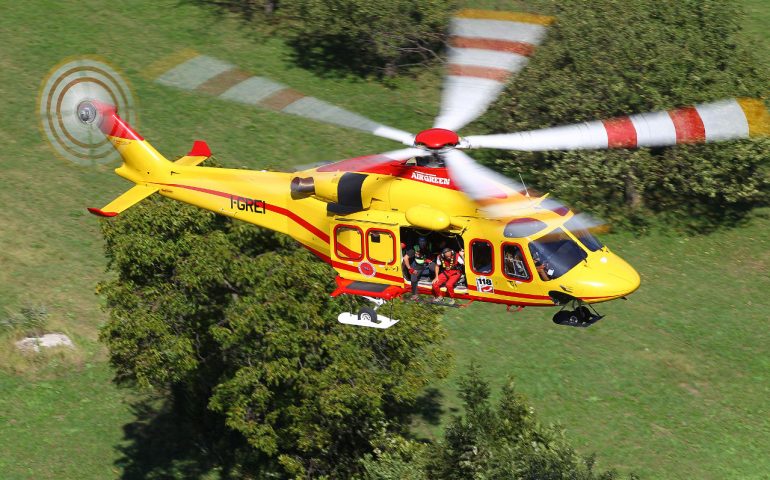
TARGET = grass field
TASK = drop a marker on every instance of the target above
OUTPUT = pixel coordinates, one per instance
(673, 384)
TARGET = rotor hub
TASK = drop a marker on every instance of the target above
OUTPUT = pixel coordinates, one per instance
(436, 138)
(87, 112)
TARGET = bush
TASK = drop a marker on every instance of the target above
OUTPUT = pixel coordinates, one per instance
(487, 442)
(605, 58)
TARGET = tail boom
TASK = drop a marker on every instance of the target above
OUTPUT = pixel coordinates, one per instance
(142, 163)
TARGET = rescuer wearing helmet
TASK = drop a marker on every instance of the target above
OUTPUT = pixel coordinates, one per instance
(450, 263)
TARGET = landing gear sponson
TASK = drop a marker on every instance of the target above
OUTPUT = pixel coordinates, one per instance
(377, 294)
(580, 315)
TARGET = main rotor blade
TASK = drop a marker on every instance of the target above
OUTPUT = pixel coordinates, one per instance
(485, 49)
(370, 161)
(478, 182)
(707, 122)
(501, 197)
(211, 76)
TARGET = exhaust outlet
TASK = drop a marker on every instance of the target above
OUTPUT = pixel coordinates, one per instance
(302, 187)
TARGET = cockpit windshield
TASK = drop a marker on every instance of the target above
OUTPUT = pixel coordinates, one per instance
(592, 243)
(555, 254)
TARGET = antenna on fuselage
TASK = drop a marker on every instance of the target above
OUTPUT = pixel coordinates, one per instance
(526, 192)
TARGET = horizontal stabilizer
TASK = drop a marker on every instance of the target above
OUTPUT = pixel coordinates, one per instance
(200, 152)
(128, 199)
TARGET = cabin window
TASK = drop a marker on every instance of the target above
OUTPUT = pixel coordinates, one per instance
(481, 257)
(348, 242)
(381, 247)
(514, 264)
(579, 230)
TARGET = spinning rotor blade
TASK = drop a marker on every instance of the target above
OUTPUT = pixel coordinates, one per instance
(369, 161)
(486, 48)
(500, 197)
(211, 76)
(703, 123)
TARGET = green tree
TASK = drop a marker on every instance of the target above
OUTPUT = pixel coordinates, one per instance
(363, 37)
(236, 326)
(368, 35)
(503, 441)
(605, 58)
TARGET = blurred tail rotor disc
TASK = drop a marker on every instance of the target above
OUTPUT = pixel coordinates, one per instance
(72, 131)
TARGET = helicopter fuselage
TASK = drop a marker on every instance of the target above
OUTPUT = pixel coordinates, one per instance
(359, 221)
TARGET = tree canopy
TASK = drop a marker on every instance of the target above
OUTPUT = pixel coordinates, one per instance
(235, 324)
(605, 58)
(381, 37)
(503, 441)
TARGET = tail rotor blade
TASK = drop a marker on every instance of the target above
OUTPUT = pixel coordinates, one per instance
(486, 48)
(708, 122)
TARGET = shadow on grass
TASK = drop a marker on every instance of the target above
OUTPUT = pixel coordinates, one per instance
(162, 444)
(428, 407)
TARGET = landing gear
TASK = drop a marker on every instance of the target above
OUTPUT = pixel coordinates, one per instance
(581, 316)
(368, 316)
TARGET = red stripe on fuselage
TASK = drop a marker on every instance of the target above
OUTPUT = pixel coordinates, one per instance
(688, 124)
(268, 206)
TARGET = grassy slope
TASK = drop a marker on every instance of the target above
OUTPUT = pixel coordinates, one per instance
(629, 405)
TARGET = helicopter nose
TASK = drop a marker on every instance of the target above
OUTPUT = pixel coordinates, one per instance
(606, 278)
(630, 279)
(624, 278)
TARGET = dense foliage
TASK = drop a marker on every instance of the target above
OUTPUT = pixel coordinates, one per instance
(236, 326)
(359, 36)
(606, 58)
(505, 441)
(366, 35)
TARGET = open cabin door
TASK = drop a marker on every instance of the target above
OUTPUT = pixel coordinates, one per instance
(366, 251)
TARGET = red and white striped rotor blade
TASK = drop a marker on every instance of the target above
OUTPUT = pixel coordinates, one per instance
(485, 49)
(202, 74)
(707, 122)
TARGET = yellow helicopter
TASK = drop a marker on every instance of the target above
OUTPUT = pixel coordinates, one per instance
(363, 216)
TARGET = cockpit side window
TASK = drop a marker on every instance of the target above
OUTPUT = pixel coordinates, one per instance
(555, 254)
(589, 241)
(514, 265)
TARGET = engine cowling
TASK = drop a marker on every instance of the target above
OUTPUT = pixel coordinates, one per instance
(342, 191)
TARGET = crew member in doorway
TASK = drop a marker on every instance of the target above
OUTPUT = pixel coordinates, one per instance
(416, 262)
(449, 269)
